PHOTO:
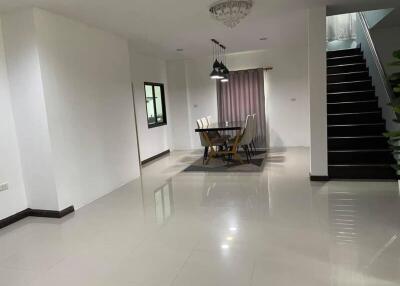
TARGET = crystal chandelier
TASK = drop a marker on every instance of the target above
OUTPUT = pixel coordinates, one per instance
(230, 12)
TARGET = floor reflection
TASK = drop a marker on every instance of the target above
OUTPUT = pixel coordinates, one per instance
(164, 202)
(364, 234)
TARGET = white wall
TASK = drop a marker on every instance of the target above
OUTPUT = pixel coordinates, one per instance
(317, 89)
(385, 45)
(86, 81)
(287, 100)
(383, 41)
(13, 200)
(152, 141)
(72, 101)
(29, 109)
(179, 105)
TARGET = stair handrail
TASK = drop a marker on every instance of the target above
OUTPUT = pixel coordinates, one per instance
(382, 74)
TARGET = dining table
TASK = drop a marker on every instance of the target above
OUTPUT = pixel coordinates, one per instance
(234, 126)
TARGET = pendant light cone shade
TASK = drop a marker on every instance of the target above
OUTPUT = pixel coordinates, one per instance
(225, 73)
(224, 69)
(216, 72)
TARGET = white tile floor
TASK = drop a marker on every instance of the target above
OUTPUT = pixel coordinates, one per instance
(181, 229)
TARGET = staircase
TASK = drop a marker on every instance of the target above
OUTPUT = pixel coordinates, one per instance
(356, 147)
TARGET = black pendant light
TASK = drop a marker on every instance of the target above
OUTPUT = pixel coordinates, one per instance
(219, 69)
(216, 72)
(225, 71)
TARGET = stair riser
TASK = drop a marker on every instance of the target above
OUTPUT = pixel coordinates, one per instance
(354, 118)
(343, 53)
(366, 172)
(350, 86)
(348, 77)
(363, 130)
(352, 107)
(346, 69)
(348, 97)
(367, 157)
(345, 60)
(357, 143)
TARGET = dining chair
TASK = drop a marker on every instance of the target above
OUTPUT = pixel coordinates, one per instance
(246, 137)
(208, 142)
(215, 134)
(204, 121)
(254, 131)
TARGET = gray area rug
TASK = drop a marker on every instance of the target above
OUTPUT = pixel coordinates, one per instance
(219, 165)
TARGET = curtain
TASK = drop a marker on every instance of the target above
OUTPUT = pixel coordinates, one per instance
(243, 95)
(341, 27)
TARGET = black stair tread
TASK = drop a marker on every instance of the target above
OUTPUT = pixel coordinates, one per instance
(346, 65)
(356, 124)
(353, 81)
(341, 57)
(352, 91)
(349, 113)
(361, 165)
(356, 51)
(356, 101)
(345, 73)
(356, 137)
(362, 150)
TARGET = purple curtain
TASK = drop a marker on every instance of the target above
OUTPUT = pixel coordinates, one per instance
(243, 95)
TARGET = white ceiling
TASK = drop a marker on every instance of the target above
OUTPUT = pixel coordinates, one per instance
(159, 27)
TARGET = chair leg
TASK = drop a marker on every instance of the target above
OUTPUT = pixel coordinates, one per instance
(205, 154)
(251, 149)
(254, 146)
(251, 152)
(248, 155)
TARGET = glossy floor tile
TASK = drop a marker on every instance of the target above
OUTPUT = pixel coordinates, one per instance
(247, 229)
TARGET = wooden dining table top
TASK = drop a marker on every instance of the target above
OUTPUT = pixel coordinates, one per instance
(221, 126)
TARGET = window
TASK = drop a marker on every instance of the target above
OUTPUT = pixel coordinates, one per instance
(155, 104)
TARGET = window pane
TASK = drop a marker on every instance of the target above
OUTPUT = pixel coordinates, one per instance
(150, 104)
(160, 116)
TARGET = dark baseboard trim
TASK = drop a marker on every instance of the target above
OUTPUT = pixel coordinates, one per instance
(52, 214)
(155, 157)
(35, 213)
(14, 218)
(319, 178)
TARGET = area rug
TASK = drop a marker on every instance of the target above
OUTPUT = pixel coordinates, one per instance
(256, 164)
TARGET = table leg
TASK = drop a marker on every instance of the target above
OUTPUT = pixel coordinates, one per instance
(235, 148)
(213, 153)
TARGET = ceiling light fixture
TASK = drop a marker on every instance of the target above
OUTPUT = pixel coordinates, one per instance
(230, 12)
(216, 72)
(219, 69)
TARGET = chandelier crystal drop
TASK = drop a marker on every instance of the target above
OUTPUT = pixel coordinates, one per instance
(230, 12)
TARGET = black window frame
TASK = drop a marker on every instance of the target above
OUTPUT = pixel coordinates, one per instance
(153, 85)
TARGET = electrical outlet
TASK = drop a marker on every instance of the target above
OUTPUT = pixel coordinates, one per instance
(3, 187)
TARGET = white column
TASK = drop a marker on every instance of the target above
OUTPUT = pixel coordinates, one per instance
(317, 89)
